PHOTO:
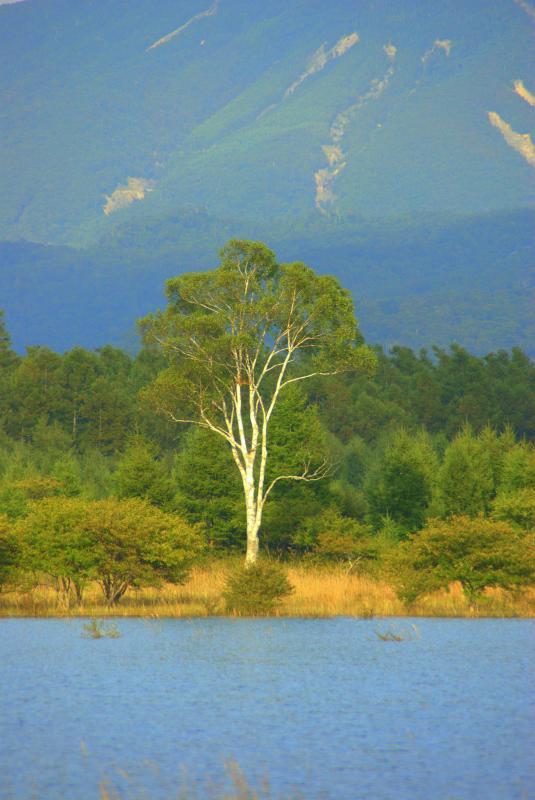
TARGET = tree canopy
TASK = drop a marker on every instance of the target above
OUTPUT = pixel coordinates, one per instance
(235, 337)
(477, 552)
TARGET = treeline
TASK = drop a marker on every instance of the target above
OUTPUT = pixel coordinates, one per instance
(426, 437)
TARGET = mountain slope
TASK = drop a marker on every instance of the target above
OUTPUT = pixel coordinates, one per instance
(417, 283)
(112, 111)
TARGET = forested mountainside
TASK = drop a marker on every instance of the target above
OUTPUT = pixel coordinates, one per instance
(261, 110)
(467, 279)
(389, 142)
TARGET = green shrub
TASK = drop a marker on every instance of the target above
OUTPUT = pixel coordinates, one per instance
(342, 539)
(477, 552)
(516, 507)
(256, 589)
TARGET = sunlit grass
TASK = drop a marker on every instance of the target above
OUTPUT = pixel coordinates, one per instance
(319, 592)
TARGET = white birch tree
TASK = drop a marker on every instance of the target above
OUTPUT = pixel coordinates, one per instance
(234, 338)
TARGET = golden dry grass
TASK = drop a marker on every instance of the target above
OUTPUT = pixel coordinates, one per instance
(319, 592)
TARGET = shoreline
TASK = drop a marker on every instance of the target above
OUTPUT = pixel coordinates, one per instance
(320, 592)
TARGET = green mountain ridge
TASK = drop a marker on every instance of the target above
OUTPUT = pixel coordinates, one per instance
(388, 142)
(263, 110)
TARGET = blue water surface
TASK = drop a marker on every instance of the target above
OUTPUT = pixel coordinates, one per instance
(321, 707)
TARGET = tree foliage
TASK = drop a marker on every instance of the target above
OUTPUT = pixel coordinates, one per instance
(10, 559)
(235, 338)
(134, 544)
(477, 552)
(140, 473)
(119, 543)
(72, 427)
(516, 507)
(56, 542)
(403, 482)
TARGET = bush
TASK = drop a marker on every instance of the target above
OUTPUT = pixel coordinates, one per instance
(516, 507)
(55, 543)
(476, 552)
(135, 544)
(256, 589)
(342, 539)
(119, 543)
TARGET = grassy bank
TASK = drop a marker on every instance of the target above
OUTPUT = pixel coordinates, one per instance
(319, 592)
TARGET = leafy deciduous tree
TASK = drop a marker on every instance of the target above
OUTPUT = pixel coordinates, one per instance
(56, 542)
(476, 552)
(134, 544)
(235, 338)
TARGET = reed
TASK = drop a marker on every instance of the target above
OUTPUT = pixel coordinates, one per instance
(319, 592)
(234, 786)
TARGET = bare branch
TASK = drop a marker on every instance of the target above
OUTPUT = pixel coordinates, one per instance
(311, 375)
(317, 474)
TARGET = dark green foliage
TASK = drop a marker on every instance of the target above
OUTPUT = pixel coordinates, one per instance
(291, 507)
(256, 589)
(296, 433)
(10, 558)
(297, 437)
(402, 483)
(209, 489)
(140, 474)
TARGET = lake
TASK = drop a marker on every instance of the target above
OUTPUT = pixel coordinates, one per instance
(323, 708)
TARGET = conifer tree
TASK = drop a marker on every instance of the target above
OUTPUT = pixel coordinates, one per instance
(401, 487)
(140, 474)
(467, 481)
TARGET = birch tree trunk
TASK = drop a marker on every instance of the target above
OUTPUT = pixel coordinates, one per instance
(251, 509)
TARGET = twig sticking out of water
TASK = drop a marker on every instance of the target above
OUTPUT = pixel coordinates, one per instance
(389, 636)
(96, 629)
(397, 635)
